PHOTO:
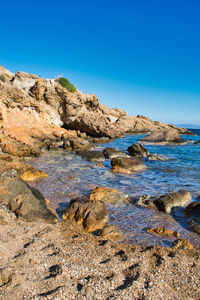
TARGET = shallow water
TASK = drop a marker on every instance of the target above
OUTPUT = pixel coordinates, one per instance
(70, 176)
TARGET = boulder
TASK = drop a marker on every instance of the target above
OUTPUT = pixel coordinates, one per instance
(138, 150)
(164, 136)
(92, 214)
(112, 153)
(126, 165)
(155, 156)
(27, 203)
(108, 195)
(32, 174)
(165, 202)
(93, 156)
(192, 211)
(76, 144)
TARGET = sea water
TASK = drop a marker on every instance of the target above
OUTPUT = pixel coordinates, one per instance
(72, 177)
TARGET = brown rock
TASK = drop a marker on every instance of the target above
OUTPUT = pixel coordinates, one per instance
(127, 165)
(163, 232)
(138, 150)
(93, 215)
(169, 136)
(108, 195)
(33, 174)
(182, 244)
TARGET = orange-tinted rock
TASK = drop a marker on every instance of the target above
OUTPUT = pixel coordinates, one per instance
(109, 195)
(127, 165)
(182, 244)
(164, 232)
(33, 174)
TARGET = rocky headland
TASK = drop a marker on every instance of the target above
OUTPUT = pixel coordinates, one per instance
(80, 256)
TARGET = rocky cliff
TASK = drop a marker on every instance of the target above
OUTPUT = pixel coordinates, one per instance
(35, 111)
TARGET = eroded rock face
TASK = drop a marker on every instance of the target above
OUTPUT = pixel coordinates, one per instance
(169, 136)
(127, 165)
(138, 150)
(33, 110)
(92, 214)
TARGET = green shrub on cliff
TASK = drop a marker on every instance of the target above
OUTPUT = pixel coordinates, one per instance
(66, 84)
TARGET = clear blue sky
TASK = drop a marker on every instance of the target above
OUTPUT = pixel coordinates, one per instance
(140, 55)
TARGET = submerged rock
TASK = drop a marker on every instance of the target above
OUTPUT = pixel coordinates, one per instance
(126, 165)
(112, 153)
(92, 214)
(138, 150)
(32, 174)
(164, 136)
(163, 232)
(108, 195)
(192, 211)
(93, 156)
(165, 202)
(155, 156)
(182, 244)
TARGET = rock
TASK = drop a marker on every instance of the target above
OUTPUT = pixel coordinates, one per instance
(5, 277)
(27, 203)
(32, 174)
(156, 156)
(192, 211)
(167, 202)
(93, 156)
(20, 150)
(126, 165)
(109, 232)
(92, 214)
(197, 142)
(164, 136)
(163, 232)
(164, 202)
(97, 165)
(138, 150)
(108, 195)
(182, 244)
(77, 144)
(112, 153)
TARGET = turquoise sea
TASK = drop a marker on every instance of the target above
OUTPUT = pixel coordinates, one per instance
(70, 177)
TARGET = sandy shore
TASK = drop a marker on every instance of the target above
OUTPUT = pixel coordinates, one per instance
(61, 261)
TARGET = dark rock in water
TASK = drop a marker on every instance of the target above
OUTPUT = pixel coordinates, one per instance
(94, 156)
(76, 144)
(164, 136)
(26, 202)
(197, 142)
(112, 153)
(165, 202)
(126, 165)
(92, 214)
(193, 212)
(138, 150)
(156, 156)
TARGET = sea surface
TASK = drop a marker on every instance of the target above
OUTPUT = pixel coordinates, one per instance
(71, 177)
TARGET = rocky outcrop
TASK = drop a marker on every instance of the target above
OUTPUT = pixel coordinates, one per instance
(126, 165)
(35, 112)
(164, 136)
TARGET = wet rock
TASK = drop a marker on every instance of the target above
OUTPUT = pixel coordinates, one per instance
(93, 156)
(156, 156)
(108, 195)
(192, 211)
(126, 165)
(163, 232)
(109, 232)
(138, 150)
(112, 153)
(93, 215)
(164, 136)
(97, 165)
(27, 203)
(32, 174)
(77, 144)
(165, 202)
(182, 244)
(197, 142)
